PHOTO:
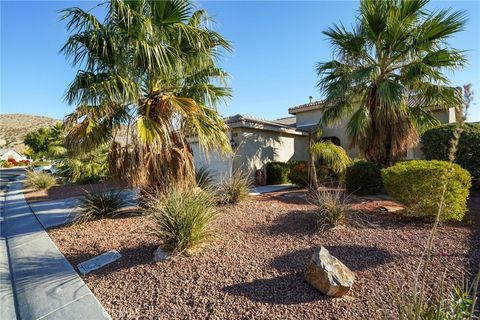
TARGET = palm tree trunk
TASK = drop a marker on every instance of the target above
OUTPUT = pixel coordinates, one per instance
(312, 172)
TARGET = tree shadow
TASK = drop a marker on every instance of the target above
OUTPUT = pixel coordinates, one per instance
(298, 223)
(284, 290)
(355, 257)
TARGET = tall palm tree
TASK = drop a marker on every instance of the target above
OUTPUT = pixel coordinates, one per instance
(149, 67)
(387, 74)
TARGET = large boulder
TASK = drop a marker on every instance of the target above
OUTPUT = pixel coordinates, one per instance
(328, 274)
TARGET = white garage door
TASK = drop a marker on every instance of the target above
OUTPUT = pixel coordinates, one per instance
(220, 166)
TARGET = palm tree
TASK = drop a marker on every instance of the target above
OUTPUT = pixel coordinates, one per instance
(387, 74)
(148, 75)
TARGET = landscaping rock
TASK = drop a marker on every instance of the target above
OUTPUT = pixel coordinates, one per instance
(393, 209)
(328, 274)
(160, 255)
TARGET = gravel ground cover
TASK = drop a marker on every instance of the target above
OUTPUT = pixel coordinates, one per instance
(254, 267)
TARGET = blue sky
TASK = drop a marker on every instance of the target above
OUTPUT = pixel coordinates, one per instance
(277, 45)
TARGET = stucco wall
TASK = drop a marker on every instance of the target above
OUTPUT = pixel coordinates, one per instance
(311, 117)
(258, 147)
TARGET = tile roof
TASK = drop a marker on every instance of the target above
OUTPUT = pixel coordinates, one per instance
(305, 107)
(252, 119)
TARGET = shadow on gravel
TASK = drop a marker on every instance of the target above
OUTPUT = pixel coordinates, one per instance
(289, 289)
(355, 257)
(294, 223)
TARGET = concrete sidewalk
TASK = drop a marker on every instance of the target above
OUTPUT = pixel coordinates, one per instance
(271, 188)
(43, 283)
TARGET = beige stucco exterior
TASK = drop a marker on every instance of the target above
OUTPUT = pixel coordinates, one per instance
(257, 141)
(256, 144)
(257, 147)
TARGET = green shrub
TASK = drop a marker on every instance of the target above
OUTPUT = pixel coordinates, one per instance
(6, 164)
(363, 178)
(330, 160)
(203, 177)
(87, 168)
(181, 218)
(298, 172)
(277, 172)
(40, 180)
(101, 205)
(436, 145)
(418, 185)
(234, 189)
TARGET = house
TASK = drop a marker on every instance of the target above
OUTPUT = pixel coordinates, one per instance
(12, 154)
(258, 141)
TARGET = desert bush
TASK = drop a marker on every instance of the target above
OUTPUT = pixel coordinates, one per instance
(363, 178)
(181, 218)
(40, 180)
(417, 185)
(204, 177)
(454, 304)
(235, 188)
(87, 168)
(298, 172)
(436, 144)
(277, 172)
(101, 205)
(6, 164)
(330, 208)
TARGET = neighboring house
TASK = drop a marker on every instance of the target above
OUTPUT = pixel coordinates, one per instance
(257, 141)
(12, 154)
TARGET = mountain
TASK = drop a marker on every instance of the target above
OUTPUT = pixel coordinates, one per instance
(14, 127)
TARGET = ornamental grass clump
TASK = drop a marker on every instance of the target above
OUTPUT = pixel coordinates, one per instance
(182, 218)
(331, 208)
(235, 188)
(40, 180)
(204, 178)
(101, 205)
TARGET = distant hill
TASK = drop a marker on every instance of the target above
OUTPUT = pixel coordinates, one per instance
(14, 127)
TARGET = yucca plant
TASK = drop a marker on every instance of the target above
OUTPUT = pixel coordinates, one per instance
(40, 180)
(101, 205)
(181, 218)
(235, 188)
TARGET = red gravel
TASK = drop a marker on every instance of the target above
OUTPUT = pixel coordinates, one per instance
(254, 268)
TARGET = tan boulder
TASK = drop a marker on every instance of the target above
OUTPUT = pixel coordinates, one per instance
(328, 274)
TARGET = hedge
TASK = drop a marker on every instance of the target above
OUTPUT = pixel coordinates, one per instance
(436, 145)
(298, 172)
(417, 184)
(277, 172)
(363, 177)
